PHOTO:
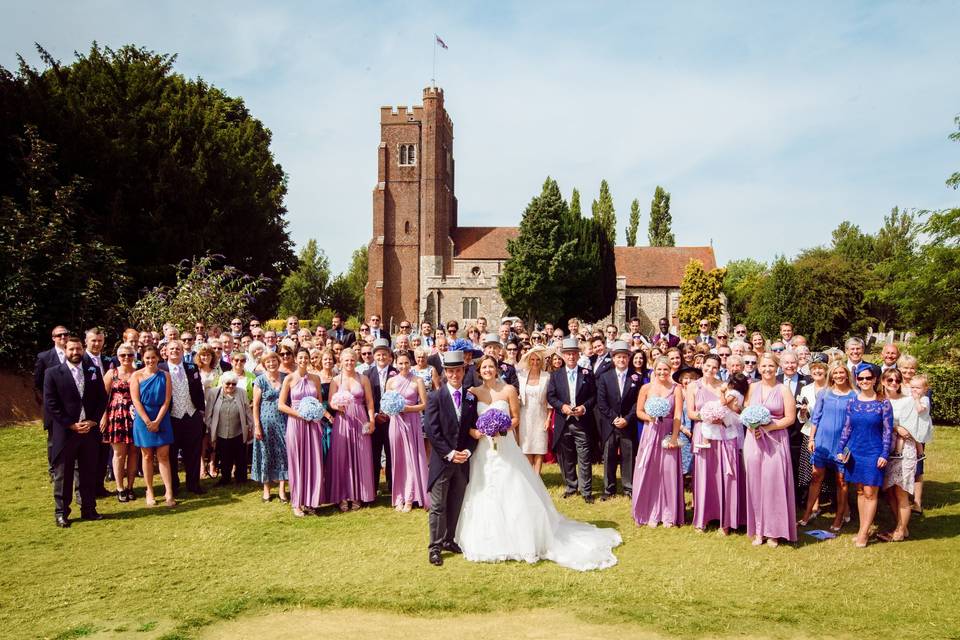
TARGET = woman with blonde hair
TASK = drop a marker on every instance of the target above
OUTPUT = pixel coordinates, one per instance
(534, 411)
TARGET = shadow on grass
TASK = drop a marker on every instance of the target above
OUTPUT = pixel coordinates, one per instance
(206, 501)
(941, 493)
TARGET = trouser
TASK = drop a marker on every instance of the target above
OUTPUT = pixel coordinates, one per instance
(796, 441)
(620, 449)
(381, 448)
(574, 450)
(187, 441)
(232, 452)
(79, 450)
(446, 497)
(104, 468)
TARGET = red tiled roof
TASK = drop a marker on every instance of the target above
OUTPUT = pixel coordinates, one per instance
(482, 243)
(659, 266)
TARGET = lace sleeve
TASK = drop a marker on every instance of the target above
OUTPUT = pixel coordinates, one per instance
(847, 427)
(887, 410)
(817, 414)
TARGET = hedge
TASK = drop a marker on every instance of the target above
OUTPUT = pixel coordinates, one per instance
(945, 385)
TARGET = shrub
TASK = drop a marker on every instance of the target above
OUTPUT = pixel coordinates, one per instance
(944, 381)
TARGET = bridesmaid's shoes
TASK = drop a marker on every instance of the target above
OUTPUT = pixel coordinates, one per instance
(121, 496)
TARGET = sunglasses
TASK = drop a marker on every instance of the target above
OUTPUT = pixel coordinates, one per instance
(749, 362)
(777, 350)
(254, 324)
(404, 326)
(124, 355)
(60, 335)
(865, 378)
(286, 354)
(366, 353)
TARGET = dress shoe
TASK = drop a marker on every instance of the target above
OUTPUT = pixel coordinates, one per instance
(91, 515)
(122, 496)
(567, 494)
(452, 547)
(435, 558)
(63, 522)
(197, 490)
(605, 496)
(588, 499)
(102, 493)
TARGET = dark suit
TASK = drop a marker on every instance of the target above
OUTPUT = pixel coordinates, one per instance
(344, 336)
(710, 340)
(796, 438)
(572, 435)
(383, 334)
(447, 480)
(188, 430)
(380, 440)
(437, 362)
(470, 376)
(105, 451)
(619, 445)
(62, 406)
(508, 373)
(671, 339)
(45, 360)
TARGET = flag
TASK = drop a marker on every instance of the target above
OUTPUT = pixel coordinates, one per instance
(440, 42)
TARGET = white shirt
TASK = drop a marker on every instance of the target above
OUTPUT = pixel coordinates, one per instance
(61, 354)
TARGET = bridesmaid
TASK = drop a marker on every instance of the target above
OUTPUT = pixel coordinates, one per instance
(351, 456)
(117, 422)
(269, 429)
(657, 476)
(766, 455)
(304, 438)
(328, 370)
(717, 471)
(409, 480)
(150, 392)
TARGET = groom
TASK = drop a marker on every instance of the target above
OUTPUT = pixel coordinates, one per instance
(450, 414)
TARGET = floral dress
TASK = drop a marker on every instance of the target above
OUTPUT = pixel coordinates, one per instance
(270, 454)
(119, 414)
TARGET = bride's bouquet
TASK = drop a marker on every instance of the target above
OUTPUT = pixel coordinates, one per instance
(493, 423)
(392, 403)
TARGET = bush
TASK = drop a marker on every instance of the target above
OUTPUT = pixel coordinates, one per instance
(946, 392)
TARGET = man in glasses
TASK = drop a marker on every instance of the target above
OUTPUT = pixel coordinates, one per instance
(704, 335)
(188, 342)
(199, 329)
(376, 331)
(436, 359)
(340, 333)
(664, 334)
(406, 329)
(236, 328)
(750, 366)
(52, 357)
(740, 332)
(293, 326)
(366, 359)
(254, 324)
(724, 352)
(270, 339)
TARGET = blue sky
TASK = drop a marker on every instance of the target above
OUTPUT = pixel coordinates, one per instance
(768, 124)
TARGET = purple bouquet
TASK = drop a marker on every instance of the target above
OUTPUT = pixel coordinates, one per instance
(493, 423)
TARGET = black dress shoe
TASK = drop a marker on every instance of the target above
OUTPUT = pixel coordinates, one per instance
(63, 522)
(588, 499)
(121, 496)
(605, 496)
(452, 547)
(103, 493)
(435, 558)
(567, 494)
(197, 490)
(91, 515)
(131, 496)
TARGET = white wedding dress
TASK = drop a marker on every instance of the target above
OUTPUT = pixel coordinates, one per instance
(507, 513)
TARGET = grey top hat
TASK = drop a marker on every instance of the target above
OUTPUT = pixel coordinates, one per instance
(491, 338)
(570, 344)
(381, 343)
(620, 346)
(452, 359)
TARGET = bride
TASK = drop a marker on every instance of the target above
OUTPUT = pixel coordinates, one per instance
(507, 513)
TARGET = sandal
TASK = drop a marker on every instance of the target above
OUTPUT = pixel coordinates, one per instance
(151, 501)
(772, 543)
(170, 502)
(284, 499)
(407, 507)
(835, 529)
(298, 512)
(356, 506)
(344, 507)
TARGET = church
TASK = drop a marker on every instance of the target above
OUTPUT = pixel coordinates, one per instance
(423, 265)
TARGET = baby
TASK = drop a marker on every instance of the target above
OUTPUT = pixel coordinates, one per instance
(917, 420)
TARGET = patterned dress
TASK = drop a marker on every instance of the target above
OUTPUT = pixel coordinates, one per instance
(270, 454)
(119, 414)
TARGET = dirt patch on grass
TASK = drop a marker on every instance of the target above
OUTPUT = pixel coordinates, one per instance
(17, 402)
(350, 624)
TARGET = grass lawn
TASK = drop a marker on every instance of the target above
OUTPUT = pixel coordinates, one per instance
(226, 565)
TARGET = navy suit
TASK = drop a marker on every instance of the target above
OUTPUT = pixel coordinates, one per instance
(710, 340)
(448, 480)
(380, 438)
(619, 445)
(508, 373)
(105, 451)
(572, 435)
(45, 360)
(187, 431)
(62, 406)
(344, 336)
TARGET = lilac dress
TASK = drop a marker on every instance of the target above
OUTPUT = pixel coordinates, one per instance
(769, 470)
(409, 480)
(718, 491)
(304, 451)
(657, 476)
(350, 460)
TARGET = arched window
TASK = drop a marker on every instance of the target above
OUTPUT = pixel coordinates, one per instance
(408, 154)
(406, 226)
(471, 308)
(403, 154)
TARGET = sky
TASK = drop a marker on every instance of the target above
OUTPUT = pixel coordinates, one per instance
(768, 124)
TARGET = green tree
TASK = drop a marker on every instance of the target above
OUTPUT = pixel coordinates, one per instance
(660, 233)
(532, 283)
(776, 299)
(700, 297)
(205, 289)
(604, 213)
(591, 280)
(575, 204)
(55, 270)
(346, 292)
(851, 243)
(830, 306)
(173, 167)
(634, 223)
(304, 291)
(743, 277)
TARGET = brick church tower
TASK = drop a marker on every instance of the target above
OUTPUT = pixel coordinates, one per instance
(414, 209)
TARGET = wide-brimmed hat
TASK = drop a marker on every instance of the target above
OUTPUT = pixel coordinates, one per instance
(685, 368)
(620, 346)
(381, 343)
(452, 359)
(570, 344)
(533, 351)
(464, 345)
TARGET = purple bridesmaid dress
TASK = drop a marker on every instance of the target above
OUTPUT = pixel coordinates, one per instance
(409, 480)
(657, 476)
(718, 492)
(304, 451)
(350, 457)
(769, 474)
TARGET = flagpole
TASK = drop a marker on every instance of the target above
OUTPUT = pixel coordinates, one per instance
(433, 79)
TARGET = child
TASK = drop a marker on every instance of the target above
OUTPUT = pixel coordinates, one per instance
(918, 420)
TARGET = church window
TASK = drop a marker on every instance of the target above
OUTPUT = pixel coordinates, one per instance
(471, 308)
(475, 272)
(631, 306)
(408, 154)
(406, 226)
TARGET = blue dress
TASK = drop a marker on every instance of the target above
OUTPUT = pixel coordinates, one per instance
(829, 414)
(270, 454)
(153, 392)
(867, 432)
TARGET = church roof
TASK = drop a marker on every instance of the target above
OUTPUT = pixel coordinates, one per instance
(659, 266)
(642, 266)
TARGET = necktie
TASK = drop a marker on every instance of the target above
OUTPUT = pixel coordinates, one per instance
(383, 378)
(78, 378)
(456, 398)
(623, 379)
